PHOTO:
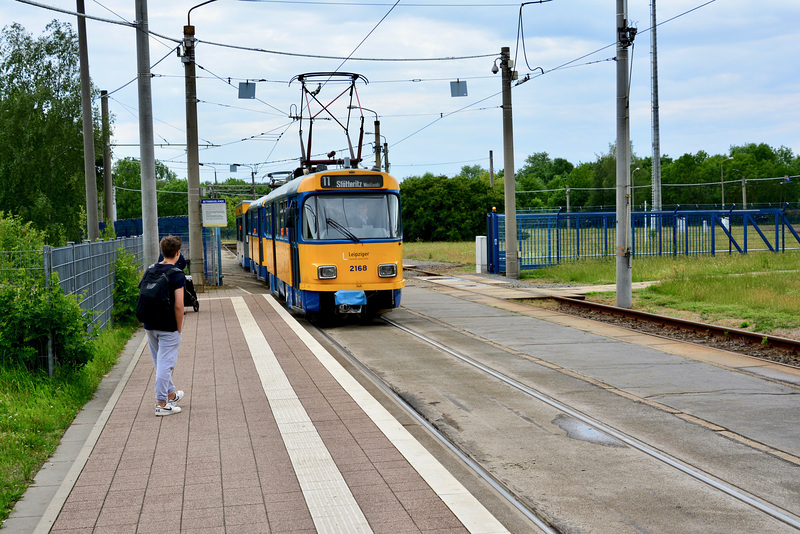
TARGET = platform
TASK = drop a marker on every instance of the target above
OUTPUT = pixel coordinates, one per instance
(274, 436)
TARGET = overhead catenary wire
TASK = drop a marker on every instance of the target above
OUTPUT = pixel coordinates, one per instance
(569, 64)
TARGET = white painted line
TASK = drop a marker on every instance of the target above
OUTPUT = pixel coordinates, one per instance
(330, 502)
(474, 516)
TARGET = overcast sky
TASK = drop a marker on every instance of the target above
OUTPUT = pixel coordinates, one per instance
(729, 73)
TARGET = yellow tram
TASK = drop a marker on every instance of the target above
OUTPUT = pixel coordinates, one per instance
(330, 242)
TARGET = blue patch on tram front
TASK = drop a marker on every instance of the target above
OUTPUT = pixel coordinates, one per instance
(353, 298)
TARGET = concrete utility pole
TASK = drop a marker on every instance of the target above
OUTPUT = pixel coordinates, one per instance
(510, 193)
(625, 36)
(108, 182)
(146, 148)
(193, 160)
(89, 168)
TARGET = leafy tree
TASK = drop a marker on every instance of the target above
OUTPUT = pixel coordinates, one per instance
(438, 208)
(41, 140)
(128, 181)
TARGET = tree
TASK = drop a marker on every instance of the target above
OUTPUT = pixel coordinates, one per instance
(128, 181)
(438, 208)
(41, 140)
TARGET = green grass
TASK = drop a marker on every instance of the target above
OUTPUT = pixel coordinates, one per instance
(462, 252)
(759, 291)
(645, 269)
(36, 410)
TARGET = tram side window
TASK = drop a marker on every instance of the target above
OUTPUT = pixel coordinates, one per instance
(268, 221)
(310, 219)
(282, 215)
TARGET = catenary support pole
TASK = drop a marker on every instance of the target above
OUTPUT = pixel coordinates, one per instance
(89, 168)
(146, 148)
(193, 161)
(108, 181)
(624, 271)
(510, 193)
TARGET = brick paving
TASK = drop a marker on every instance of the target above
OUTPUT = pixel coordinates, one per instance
(222, 465)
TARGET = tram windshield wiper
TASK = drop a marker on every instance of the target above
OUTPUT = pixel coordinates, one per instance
(342, 229)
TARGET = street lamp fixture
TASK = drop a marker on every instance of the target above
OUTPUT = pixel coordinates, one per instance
(215, 193)
(234, 168)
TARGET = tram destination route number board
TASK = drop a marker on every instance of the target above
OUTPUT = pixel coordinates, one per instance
(351, 181)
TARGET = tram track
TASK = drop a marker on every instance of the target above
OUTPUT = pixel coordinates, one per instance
(542, 518)
(440, 437)
(758, 345)
(782, 350)
(649, 451)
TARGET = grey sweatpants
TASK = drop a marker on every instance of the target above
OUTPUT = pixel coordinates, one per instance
(164, 350)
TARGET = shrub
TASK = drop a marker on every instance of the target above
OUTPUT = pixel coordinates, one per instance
(126, 289)
(27, 310)
(18, 235)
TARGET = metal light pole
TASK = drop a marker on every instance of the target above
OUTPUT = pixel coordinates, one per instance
(216, 194)
(510, 193)
(722, 179)
(656, 192)
(235, 166)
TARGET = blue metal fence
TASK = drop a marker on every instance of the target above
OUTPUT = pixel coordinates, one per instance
(179, 226)
(546, 239)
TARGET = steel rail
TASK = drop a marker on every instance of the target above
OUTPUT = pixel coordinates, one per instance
(472, 464)
(685, 324)
(737, 494)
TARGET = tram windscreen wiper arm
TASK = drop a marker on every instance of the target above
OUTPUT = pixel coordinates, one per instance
(343, 229)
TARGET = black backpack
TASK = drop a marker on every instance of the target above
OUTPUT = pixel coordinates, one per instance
(155, 304)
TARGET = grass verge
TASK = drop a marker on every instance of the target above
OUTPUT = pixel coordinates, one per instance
(759, 291)
(36, 410)
(461, 252)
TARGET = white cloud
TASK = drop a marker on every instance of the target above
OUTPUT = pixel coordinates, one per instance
(728, 75)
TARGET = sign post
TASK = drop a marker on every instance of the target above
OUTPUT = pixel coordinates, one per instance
(215, 215)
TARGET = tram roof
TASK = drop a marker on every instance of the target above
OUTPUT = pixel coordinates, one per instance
(296, 185)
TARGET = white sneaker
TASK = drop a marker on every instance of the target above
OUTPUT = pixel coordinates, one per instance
(176, 400)
(169, 409)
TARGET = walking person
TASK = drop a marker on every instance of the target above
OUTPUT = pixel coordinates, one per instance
(164, 283)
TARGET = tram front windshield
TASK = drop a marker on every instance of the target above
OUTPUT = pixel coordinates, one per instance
(351, 217)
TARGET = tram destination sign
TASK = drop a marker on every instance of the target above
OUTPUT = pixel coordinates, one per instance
(351, 181)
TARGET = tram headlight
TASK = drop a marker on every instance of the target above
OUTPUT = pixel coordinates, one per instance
(387, 270)
(326, 272)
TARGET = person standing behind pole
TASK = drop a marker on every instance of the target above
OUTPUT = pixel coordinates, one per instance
(164, 334)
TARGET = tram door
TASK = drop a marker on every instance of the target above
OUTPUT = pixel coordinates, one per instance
(293, 223)
(260, 237)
